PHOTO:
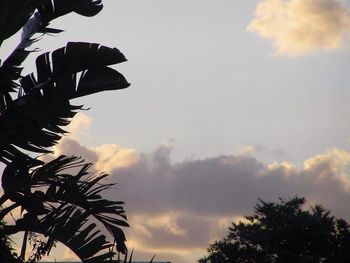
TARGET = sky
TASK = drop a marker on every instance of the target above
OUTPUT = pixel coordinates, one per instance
(230, 101)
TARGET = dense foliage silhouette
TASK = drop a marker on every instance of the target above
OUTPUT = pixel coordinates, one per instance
(57, 200)
(284, 232)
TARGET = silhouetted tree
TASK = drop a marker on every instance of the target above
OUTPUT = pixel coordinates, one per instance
(57, 199)
(283, 232)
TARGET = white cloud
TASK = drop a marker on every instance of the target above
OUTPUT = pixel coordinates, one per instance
(112, 156)
(105, 158)
(78, 126)
(298, 27)
(247, 149)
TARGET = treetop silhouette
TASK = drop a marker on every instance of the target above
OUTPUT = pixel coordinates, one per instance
(284, 232)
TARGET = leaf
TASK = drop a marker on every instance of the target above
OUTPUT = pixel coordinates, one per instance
(44, 106)
(95, 80)
(89, 8)
(14, 14)
(48, 30)
(55, 8)
(72, 192)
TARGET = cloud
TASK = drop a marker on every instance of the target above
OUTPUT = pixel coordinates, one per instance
(78, 126)
(248, 149)
(69, 255)
(59, 253)
(178, 208)
(106, 157)
(297, 27)
(228, 185)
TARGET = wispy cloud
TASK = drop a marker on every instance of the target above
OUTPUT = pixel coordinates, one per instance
(297, 27)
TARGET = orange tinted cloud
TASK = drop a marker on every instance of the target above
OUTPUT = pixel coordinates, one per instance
(297, 27)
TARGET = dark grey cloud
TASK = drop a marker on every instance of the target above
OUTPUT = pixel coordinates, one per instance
(227, 185)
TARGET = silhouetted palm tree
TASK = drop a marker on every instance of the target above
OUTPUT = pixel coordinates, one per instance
(57, 199)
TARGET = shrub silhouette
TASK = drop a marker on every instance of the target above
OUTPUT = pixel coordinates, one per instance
(59, 199)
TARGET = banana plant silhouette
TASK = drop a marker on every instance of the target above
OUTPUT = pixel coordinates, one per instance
(59, 199)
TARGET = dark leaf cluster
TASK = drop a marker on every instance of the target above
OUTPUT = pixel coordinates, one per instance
(283, 232)
(58, 198)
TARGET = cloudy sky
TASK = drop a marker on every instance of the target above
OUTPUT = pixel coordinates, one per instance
(230, 101)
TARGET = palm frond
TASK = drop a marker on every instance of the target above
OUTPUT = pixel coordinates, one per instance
(60, 198)
(52, 9)
(10, 70)
(44, 107)
(14, 14)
